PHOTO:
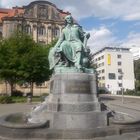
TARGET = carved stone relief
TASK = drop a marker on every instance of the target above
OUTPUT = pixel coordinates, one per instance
(43, 11)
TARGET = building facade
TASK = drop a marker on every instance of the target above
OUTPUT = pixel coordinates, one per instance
(40, 19)
(115, 69)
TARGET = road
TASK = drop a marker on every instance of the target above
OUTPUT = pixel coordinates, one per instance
(131, 105)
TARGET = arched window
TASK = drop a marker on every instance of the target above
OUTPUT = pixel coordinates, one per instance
(57, 32)
(49, 30)
(19, 27)
(28, 29)
(42, 31)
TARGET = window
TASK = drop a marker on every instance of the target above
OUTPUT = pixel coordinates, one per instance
(102, 57)
(103, 78)
(57, 32)
(49, 31)
(28, 29)
(120, 84)
(98, 72)
(111, 76)
(120, 70)
(119, 56)
(99, 78)
(103, 84)
(41, 30)
(102, 64)
(119, 63)
(120, 77)
(103, 71)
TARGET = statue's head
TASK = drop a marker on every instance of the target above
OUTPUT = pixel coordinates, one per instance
(68, 19)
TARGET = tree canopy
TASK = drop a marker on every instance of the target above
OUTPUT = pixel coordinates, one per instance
(23, 60)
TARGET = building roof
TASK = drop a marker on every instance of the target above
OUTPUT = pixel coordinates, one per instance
(111, 48)
(10, 12)
(16, 11)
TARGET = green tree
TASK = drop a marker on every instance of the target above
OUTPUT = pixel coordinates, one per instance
(23, 60)
(137, 73)
(34, 67)
(11, 50)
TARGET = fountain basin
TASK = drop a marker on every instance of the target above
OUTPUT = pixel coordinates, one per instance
(20, 121)
(121, 118)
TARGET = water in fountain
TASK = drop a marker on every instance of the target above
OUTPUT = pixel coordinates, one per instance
(36, 114)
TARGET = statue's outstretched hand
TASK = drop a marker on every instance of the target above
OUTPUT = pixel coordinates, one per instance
(87, 35)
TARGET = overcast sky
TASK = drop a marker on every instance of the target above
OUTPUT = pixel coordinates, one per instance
(110, 22)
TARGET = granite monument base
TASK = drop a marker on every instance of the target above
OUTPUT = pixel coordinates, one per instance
(73, 102)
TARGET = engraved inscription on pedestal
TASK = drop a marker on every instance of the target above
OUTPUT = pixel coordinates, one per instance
(77, 87)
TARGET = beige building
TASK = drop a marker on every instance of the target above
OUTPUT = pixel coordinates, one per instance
(40, 19)
(115, 69)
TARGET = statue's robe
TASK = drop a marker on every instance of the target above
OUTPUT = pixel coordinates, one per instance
(69, 43)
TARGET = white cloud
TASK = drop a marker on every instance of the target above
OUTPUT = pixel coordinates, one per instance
(123, 9)
(133, 40)
(100, 38)
(103, 37)
(135, 16)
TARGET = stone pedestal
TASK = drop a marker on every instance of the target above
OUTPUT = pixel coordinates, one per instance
(73, 102)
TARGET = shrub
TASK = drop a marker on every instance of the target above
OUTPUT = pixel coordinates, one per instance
(17, 93)
(130, 92)
(102, 91)
(36, 99)
(5, 99)
(137, 93)
(19, 99)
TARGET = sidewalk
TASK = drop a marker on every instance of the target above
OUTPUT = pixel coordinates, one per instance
(126, 96)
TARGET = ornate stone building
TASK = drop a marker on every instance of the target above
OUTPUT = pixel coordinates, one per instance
(41, 19)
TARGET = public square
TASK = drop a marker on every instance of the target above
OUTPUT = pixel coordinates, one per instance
(130, 106)
(84, 57)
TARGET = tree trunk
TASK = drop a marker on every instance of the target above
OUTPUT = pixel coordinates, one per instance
(6, 88)
(11, 88)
